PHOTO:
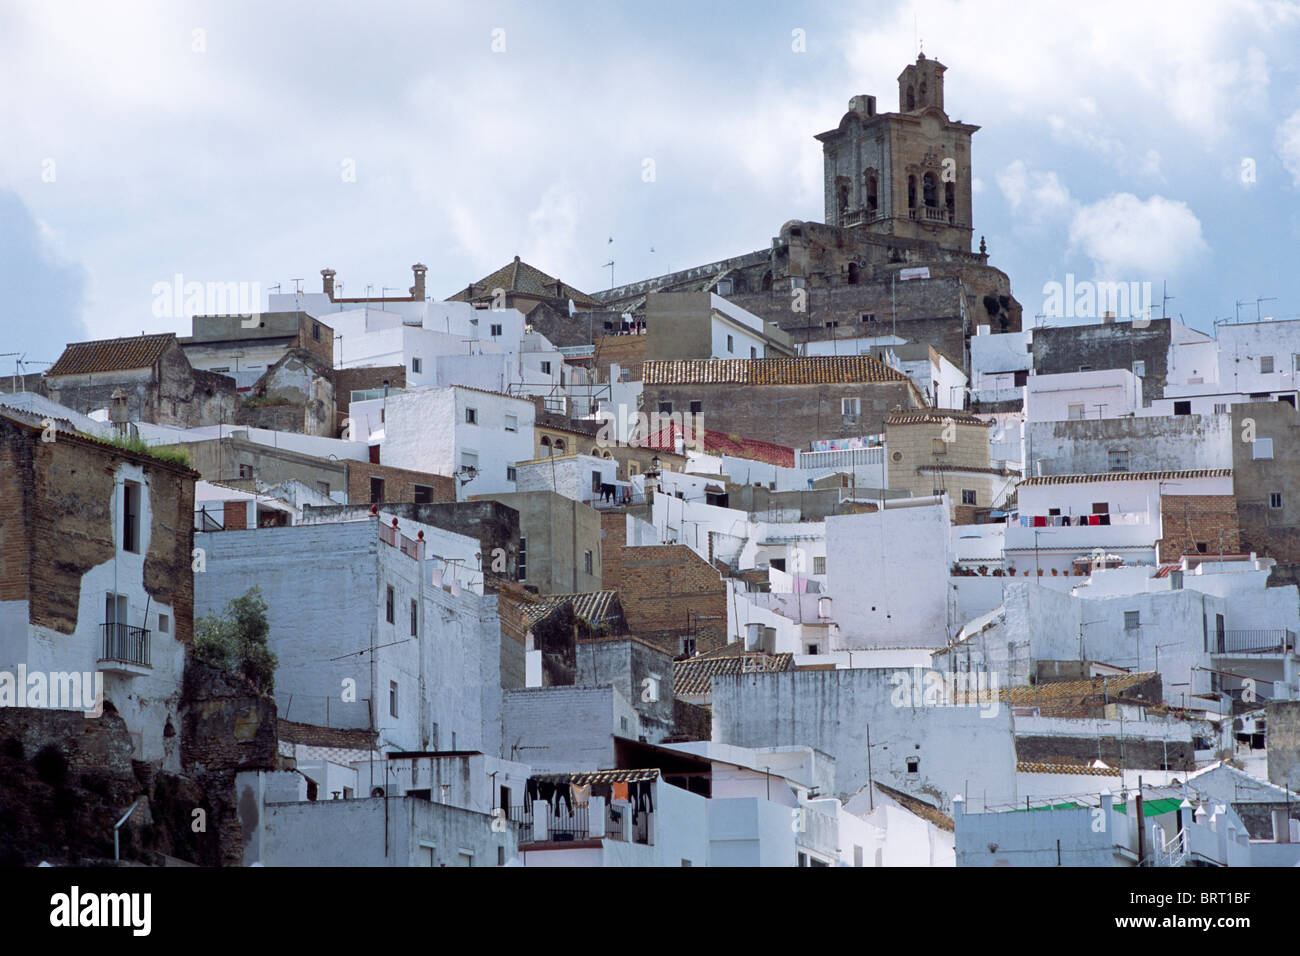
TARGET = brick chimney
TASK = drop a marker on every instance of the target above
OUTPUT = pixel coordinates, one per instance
(327, 282)
(417, 290)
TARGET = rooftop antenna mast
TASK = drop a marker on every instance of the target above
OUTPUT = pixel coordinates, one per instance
(610, 266)
(1165, 299)
(1268, 298)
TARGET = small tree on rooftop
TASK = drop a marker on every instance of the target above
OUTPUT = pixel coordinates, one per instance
(236, 641)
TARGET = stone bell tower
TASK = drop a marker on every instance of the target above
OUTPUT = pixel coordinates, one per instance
(906, 173)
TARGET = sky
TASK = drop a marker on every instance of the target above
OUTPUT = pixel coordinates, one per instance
(255, 143)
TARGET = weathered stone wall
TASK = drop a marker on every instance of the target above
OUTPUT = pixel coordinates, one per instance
(1125, 752)
(1063, 349)
(1283, 741)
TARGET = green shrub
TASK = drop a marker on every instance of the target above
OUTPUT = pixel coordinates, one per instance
(236, 641)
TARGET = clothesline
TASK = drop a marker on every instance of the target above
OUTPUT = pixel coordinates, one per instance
(1066, 521)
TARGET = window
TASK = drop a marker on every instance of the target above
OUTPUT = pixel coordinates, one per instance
(1201, 547)
(819, 564)
(850, 407)
(1182, 408)
(622, 724)
(697, 407)
(753, 352)
(812, 649)
(586, 561)
(1275, 499)
(468, 460)
(512, 423)
(633, 468)
(1140, 368)
(390, 612)
(164, 624)
(323, 487)
(131, 516)
(1132, 619)
(625, 375)
(245, 471)
(1261, 448)
(1265, 364)
(522, 563)
(1220, 408)
(511, 474)
(868, 316)
(417, 365)
(688, 646)
(423, 494)
(546, 368)
(315, 331)
(1117, 459)
(494, 330)
(471, 416)
(665, 408)
(832, 325)
(1085, 368)
(938, 446)
(913, 764)
(1101, 507)
(392, 697)
(968, 496)
(595, 481)
(374, 454)
(376, 490)
(415, 618)
(731, 344)
(1075, 412)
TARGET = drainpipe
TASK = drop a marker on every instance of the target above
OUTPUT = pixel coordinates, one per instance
(118, 826)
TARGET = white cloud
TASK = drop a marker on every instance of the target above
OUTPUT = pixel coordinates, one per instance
(1126, 236)
(1037, 197)
(1288, 146)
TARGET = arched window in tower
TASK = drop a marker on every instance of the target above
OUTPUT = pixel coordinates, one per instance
(842, 198)
(923, 94)
(931, 188)
(767, 281)
(911, 192)
(853, 273)
(911, 99)
(873, 200)
(950, 196)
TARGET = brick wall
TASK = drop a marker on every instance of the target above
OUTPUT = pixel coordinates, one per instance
(627, 351)
(1116, 751)
(1197, 524)
(348, 379)
(789, 415)
(399, 483)
(16, 517)
(658, 585)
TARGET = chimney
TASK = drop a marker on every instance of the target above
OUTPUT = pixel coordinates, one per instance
(117, 411)
(417, 290)
(327, 281)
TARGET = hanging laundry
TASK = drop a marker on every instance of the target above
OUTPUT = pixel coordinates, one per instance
(581, 795)
(619, 791)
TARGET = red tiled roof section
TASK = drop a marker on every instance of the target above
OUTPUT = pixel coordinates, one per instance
(808, 370)
(721, 443)
(111, 355)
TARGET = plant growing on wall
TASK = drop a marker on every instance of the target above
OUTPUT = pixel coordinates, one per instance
(236, 641)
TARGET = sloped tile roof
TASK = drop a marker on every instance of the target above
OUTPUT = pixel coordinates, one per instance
(1126, 476)
(694, 677)
(808, 370)
(933, 416)
(1024, 766)
(1058, 689)
(111, 355)
(918, 807)
(577, 426)
(519, 276)
(592, 606)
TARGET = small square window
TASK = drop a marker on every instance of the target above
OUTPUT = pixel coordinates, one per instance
(323, 487)
(819, 564)
(1140, 368)
(586, 561)
(1117, 460)
(967, 496)
(1275, 499)
(423, 494)
(1265, 364)
(1261, 448)
(471, 416)
(1220, 408)
(512, 423)
(546, 368)
(494, 330)
(731, 344)
(697, 407)
(850, 407)
(1182, 408)
(315, 331)
(164, 624)
(417, 365)
(511, 474)
(1132, 620)
(939, 446)
(665, 408)
(753, 352)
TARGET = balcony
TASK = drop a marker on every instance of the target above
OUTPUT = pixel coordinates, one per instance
(1262, 640)
(411, 547)
(841, 458)
(931, 214)
(124, 648)
(566, 826)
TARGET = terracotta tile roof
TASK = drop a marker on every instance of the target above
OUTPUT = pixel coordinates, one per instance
(111, 355)
(519, 276)
(583, 778)
(315, 736)
(809, 370)
(577, 426)
(722, 443)
(931, 416)
(1126, 476)
(918, 807)
(1023, 766)
(1058, 689)
(977, 469)
(694, 677)
(592, 606)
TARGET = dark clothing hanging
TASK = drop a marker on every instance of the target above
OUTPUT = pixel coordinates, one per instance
(530, 794)
(562, 793)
